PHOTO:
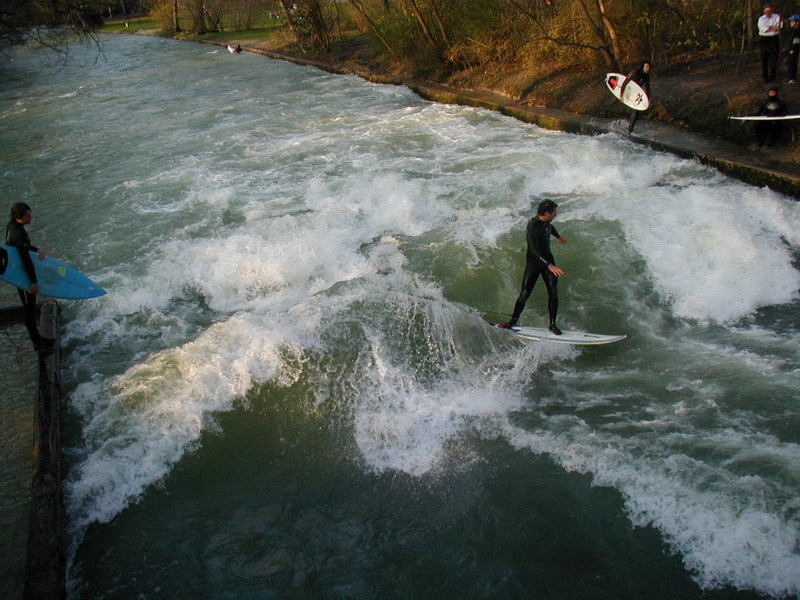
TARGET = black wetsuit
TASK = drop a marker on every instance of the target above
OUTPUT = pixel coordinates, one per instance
(536, 260)
(641, 77)
(17, 236)
(770, 132)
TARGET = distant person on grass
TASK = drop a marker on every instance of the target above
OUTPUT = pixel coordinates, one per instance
(641, 76)
(17, 236)
(769, 28)
(539, 261)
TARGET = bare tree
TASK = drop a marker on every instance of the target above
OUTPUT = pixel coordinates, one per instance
(176, 26)
(308, 22)
(289, 13)
(604, 38)
(48, 21)
(359, 6)
(415, 10)
(241, 14)
(318, 26)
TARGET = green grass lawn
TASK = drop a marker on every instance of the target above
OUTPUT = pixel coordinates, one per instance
(264, 31)
(133, 25)
(257, 33)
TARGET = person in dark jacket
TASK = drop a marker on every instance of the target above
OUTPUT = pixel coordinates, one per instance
(539, 261)
(16, 236)
(773, 105)
(641, 76)
(793, 44)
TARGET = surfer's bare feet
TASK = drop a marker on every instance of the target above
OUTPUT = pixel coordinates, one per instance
(506, 325)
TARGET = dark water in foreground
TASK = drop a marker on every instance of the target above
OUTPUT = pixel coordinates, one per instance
(291, 391)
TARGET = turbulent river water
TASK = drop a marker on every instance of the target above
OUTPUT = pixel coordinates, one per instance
(292, 389)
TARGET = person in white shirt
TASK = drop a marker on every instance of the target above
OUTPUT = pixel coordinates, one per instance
(769, 27)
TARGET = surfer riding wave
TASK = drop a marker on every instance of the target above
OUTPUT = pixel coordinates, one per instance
(539, 260)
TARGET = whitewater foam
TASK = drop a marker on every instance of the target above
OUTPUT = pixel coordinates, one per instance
(730, 531)
(342, 236)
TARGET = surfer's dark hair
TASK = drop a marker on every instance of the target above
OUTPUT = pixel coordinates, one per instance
(546, 206)
(18, 210)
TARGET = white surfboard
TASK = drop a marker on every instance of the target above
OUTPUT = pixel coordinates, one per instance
(577, 338)
(635, 97)
(765, 118)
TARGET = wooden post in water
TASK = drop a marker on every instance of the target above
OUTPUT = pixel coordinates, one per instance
(45, 566)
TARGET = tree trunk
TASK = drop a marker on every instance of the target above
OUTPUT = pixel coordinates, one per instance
(360, 8)
(421, 20)
(176, 26)
(611, 59)
(611, 30)
(748, 19)
(319, 28)
(437, 15)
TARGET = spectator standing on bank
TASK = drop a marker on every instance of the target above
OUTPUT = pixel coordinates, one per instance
(769, 28)
(794, 48)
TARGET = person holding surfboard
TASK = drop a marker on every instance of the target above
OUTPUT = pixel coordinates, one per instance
(772, 106)
(539, 261)
(769, 28)
(16, 236)
(640, 76)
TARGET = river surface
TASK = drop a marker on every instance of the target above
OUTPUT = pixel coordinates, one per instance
(292, 390)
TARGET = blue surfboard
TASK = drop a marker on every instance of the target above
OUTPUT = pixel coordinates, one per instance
(56, 279)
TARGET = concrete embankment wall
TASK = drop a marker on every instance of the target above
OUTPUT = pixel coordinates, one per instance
(45, 563)
(42, 572)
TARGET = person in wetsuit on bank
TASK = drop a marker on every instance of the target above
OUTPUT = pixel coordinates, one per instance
(539, 260)
(641, 76)
(17, 236)
(770, 132)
